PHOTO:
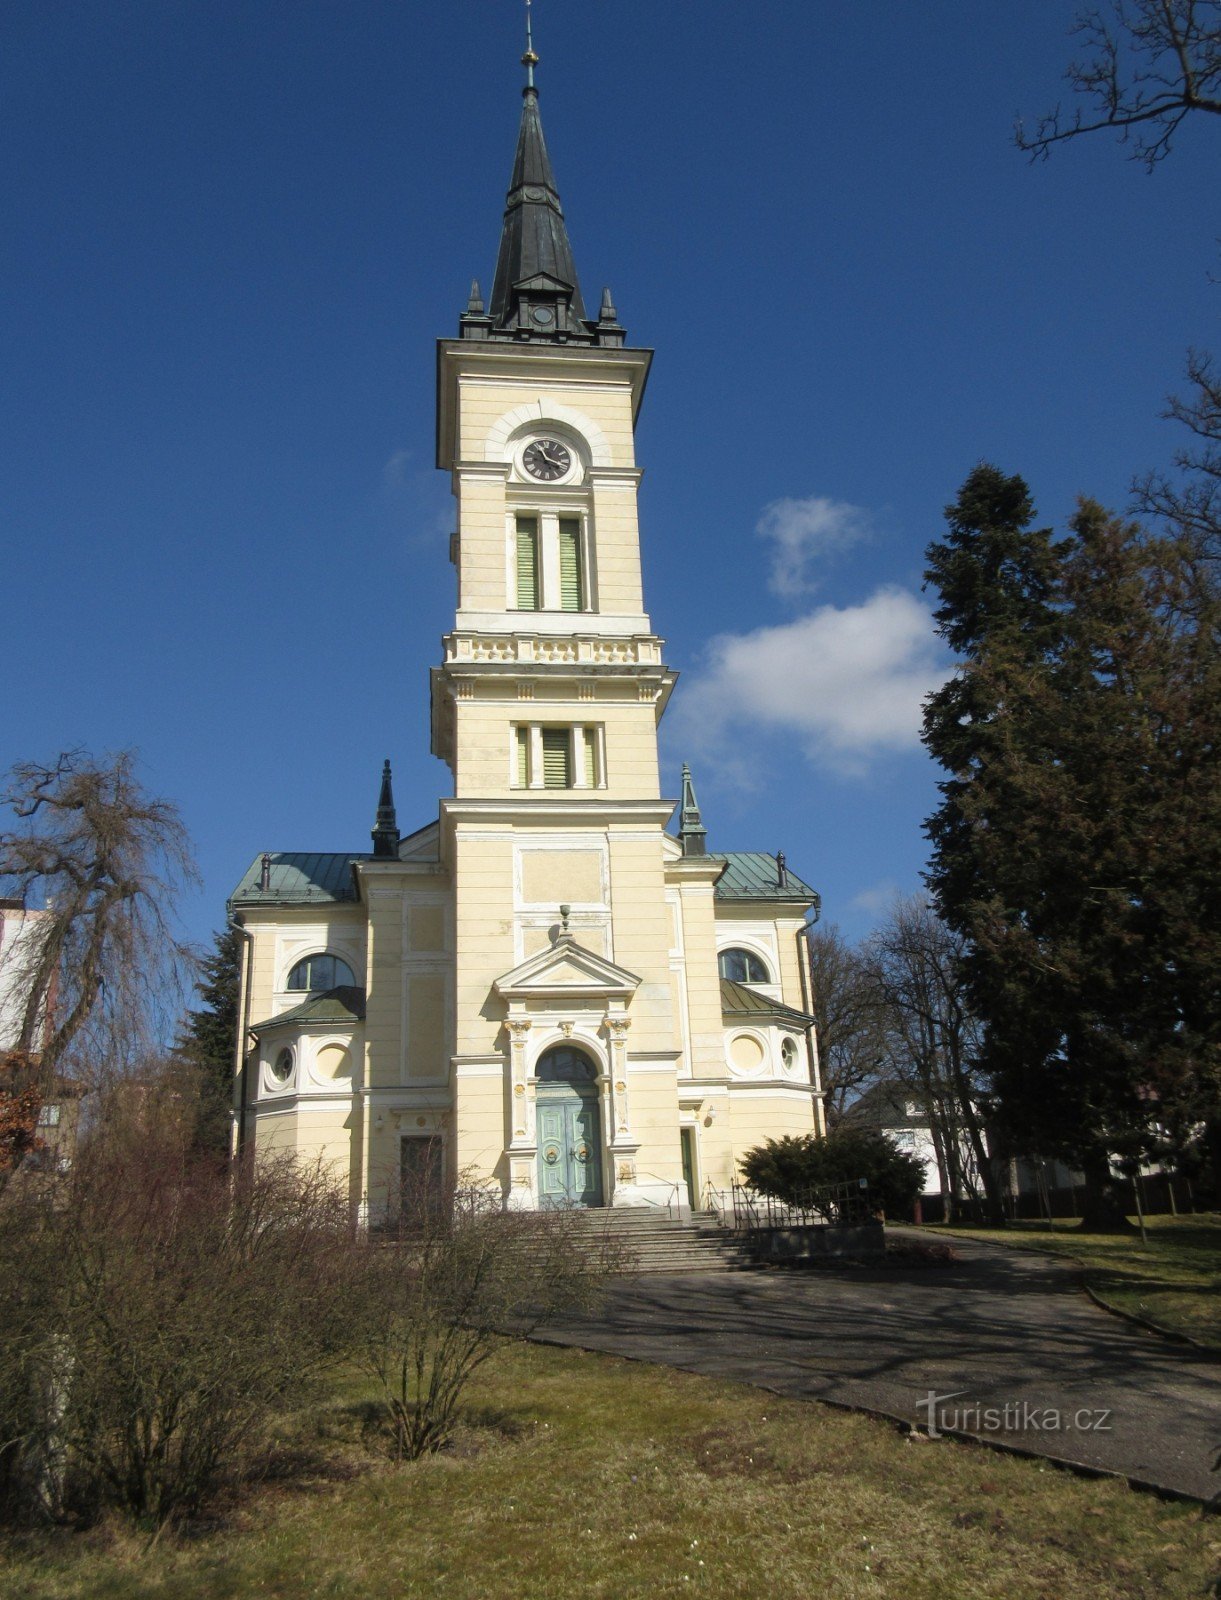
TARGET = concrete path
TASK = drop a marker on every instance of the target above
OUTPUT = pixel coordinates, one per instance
(1000, 1330)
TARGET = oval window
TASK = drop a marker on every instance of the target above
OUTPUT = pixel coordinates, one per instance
(282, 1066)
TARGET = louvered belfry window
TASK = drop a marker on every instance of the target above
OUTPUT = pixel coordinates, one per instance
(527, 564)
(557, 758)
(570, 564)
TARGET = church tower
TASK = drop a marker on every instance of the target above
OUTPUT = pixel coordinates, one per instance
(543, 993)
(546, 708)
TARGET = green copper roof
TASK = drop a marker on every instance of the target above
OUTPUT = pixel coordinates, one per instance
(739, 1001)
(345, 1004)
(296, 878)
(755, 875)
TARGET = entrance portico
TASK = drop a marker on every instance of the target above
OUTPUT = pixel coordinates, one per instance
(567, 1028)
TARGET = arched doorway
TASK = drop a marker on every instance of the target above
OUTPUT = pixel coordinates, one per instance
(569, 1129)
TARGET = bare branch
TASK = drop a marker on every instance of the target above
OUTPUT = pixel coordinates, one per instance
(1150, 63)
(96, 863)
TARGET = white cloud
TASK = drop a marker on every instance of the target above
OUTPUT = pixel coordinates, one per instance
(877, 898)
(414, 500)
(846, 683)
(802, 532)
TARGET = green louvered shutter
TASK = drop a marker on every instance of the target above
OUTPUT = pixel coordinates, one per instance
(570, 564)
(527, 564)
(591, 764)
(557, 747)
(523, 758)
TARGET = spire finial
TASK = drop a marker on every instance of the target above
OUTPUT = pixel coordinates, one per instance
(529, 60)
(692, 834)
(385, 826)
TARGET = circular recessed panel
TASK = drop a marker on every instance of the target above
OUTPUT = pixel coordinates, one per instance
(333, 1061)
(547, 460)
(745, 1052)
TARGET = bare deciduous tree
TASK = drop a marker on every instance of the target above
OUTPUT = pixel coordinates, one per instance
(1191, 507)
(1148, 64)
(850, 1040)
(95, 974)
(915, 963)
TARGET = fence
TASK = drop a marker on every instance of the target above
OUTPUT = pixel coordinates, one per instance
(836, 1205)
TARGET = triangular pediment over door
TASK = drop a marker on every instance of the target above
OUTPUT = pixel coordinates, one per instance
(567, 971)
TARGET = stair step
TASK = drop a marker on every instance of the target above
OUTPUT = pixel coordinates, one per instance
(659, 1243)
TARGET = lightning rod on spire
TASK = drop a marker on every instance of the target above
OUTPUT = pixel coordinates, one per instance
(529, 60)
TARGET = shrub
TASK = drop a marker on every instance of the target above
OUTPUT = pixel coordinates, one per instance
(793, 1168)
(198, 1303)
(31, 1283)
(182, 1303)
(447, 1282)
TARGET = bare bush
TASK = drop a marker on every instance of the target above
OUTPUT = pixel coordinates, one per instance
(31, 1285)
(448, 1282)
(183, 1303)
(197, 1306)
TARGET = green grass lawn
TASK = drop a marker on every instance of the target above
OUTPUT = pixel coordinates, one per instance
(1175, 1280)
(581, 1476)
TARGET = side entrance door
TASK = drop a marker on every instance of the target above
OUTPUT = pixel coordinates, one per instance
(569, 1146)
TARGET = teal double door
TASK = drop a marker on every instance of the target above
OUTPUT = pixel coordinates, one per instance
(569, 1145)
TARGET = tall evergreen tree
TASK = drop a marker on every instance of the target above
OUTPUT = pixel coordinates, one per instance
(209, 1034)
(1071, 846)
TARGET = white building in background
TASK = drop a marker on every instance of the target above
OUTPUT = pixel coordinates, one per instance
(19, 934)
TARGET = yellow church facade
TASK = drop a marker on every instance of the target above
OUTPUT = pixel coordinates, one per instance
(542, 993)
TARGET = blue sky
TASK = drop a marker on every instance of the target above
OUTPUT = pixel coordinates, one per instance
(234, 231)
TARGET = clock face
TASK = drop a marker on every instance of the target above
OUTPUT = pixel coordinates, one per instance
(546, 459)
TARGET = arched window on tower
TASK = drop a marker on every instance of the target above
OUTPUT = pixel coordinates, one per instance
(743, 966)
(316, 973)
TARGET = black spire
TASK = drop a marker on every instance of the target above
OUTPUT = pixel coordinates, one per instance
(536, 295)
(385, 828)
(692, 834)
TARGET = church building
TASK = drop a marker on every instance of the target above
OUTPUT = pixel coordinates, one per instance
(541, 992)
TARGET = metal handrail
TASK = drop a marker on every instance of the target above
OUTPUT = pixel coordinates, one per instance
(673, 1190)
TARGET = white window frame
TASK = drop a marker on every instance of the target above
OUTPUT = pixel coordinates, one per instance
(547, 523)
(581, 736)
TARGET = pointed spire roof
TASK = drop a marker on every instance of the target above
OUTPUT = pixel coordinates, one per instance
(534, 237)
(385, 827)
(692, 834)
(536, 295)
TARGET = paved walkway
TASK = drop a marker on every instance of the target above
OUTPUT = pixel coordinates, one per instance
(999, 1329)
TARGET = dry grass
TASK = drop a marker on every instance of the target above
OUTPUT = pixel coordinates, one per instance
(1175, 1280)
(583, 1476)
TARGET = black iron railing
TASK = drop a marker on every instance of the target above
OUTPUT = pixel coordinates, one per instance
(836, 1205)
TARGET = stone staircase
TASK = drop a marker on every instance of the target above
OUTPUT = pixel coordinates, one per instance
(655, 1242)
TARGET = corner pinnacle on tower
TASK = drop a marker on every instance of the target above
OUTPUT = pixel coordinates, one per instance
(692, 834)
(385, 827)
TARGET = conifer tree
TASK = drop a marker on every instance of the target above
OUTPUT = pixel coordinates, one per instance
(1074, 845)
(209, 1037)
